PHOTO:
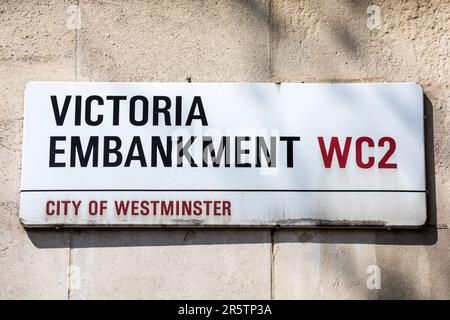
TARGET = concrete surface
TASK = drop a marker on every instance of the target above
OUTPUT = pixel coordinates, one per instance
(276, 40)
(172, 264)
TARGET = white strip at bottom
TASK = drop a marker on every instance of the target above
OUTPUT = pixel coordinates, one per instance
(231, 208)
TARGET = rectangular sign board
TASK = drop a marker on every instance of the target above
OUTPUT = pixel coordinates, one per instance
(223, 154)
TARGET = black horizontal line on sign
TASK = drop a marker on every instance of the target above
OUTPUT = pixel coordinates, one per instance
(211, 190)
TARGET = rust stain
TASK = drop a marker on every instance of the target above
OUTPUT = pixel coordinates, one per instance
(305, 237)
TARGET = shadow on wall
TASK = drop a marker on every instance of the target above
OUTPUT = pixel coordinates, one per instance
(125, 237)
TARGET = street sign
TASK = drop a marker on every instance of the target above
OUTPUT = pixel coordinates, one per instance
(223, 154)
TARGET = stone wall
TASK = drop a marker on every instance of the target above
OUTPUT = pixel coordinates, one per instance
(225, 41)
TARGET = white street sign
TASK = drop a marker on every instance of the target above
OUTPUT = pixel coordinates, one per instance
(223, 154)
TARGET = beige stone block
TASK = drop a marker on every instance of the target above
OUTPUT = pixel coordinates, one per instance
(173, 40)
(35, 31)
(357, 264)
(33, 264)
(317, 264)
(415, 271)
(343, 41)
(172, 264)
